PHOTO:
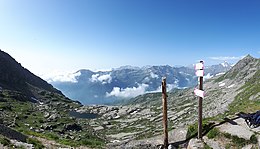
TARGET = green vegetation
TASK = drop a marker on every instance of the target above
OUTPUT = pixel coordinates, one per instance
(33, 119)
(37, 144)
(193, 129)
(213, 133)
(206, 146)
(4, 141)
(235, 141)
(238, 142)
(90, 141)
(253, 139)
(242, 102)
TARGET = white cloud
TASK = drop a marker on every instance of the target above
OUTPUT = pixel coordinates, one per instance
(153, 75)
(57, 76)
(104, 79)
(128, 92)
(103, 70)
(225, 58)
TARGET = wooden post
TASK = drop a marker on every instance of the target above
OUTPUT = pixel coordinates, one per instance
(165, 121)
(200, 108)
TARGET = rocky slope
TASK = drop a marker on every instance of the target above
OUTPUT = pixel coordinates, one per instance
(15, 77)
(33, 114)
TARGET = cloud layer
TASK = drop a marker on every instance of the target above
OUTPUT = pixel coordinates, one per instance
(104, 79)
(69, 77)
(56, 77)
(128, 92)
(225, 58)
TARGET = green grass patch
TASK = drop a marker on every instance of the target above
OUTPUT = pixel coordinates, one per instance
(239, 142)
(213, 133)
(253, 139)
(36, 143)
(242, 102)
(193, 129)
(206, 146)
(4, 141)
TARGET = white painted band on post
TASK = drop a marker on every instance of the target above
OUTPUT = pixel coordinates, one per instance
(199, 93)
(199, 66)
(200, 73)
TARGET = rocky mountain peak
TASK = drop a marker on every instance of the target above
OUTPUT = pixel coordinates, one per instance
(244, 62)
(244, 68)
(225, 64)
(248, 56)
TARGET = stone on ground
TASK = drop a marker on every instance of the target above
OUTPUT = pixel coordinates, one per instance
(196, 144)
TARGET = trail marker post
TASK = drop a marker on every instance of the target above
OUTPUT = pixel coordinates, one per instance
(199, 67)
(165, 121)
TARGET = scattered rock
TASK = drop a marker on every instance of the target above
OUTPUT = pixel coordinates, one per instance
(98, 128)
(72, 127)
(195, 144)
(46, 114)
(248, 146)
(22, 144)
(54, 117)
(213, 144)
(237, 130)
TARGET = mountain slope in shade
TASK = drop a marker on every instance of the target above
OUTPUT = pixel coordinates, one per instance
(15, 77)
(38, 115)
(126, 82)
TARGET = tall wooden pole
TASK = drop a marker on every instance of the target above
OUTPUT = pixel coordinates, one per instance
(165, 121)
(200, 108)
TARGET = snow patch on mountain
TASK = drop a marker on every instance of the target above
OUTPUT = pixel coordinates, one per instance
(208, 76)
(230, 86)
(225, 64)
(220, 84)
(221, 73)
(153, 75)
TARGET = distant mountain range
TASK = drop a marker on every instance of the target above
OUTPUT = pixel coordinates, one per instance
(117, 85)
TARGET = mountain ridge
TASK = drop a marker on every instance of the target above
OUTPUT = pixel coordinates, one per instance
(36, 114)
(106, 87)
(14, 76)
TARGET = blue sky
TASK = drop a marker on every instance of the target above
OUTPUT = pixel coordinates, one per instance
(68, 35)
